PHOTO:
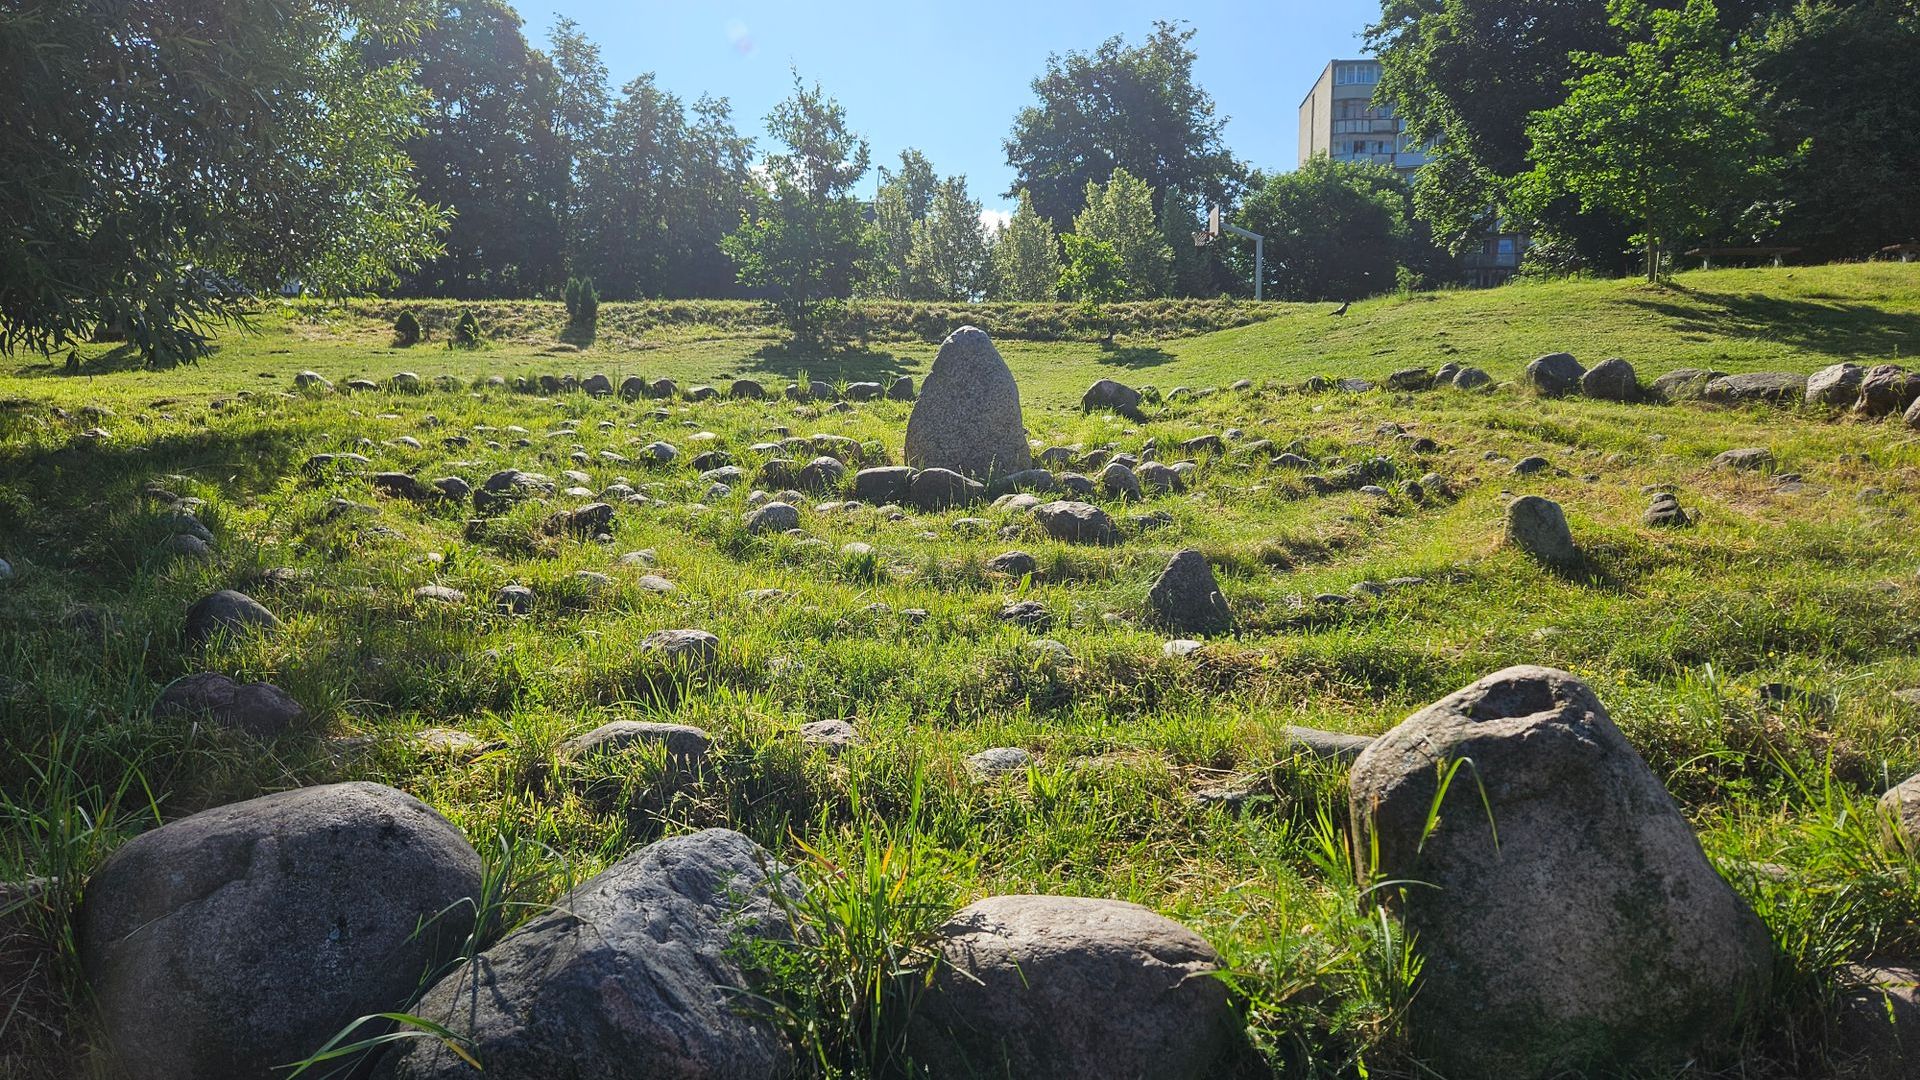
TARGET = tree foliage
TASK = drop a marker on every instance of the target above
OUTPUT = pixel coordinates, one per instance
(800, 241)
(1120, 214)
(1121, 107)
(1026, 258)
(1336, 230)
(156, 174)
(950, 256)
(902, 199)
(1663, 134)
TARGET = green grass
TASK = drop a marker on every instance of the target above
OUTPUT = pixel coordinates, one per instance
(1677, 630)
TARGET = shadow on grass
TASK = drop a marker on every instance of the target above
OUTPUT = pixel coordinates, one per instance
(1135, 356)
(1831, 328)
(826, 363)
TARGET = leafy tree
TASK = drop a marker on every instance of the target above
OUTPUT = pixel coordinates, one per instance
(490, 151)
(1662, 134)
(1839, 77)
(156, 175)
(1095, 275)
(1336, 230)
(660, 186)
(406, 329)
(801, 239)
(583, 304)
(902, 199)
(950, 254)
(1121, 107)
(580, 107)
(1026, 259)
(1121, 215)
(1465, 75)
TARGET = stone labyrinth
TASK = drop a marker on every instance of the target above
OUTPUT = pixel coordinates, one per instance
(647, 622)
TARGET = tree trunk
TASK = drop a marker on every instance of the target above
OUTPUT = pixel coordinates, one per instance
(1653, 258)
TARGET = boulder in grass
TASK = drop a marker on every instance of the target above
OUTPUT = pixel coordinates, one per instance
(1471, 378)
(1886, 390)
(1555, 375)
(747, 390)
(884, 484)
(227, 611)
(967, 418)
(633, 388)
(1076, 522)
(943, 489)
(1569, 923)
(1612, 379)
(686, 746)
(773, 517)
(238, 939)
(900, 389)
(597, 385)
(1187, 599)
(259, 709)
(1758, 387)
(1683, 384)
(1110, 396)
(1538, 527)
(638, 972)
(1068, 986)
(1835, 386)
(1416, 378)
(1745, 459)
(682, 646)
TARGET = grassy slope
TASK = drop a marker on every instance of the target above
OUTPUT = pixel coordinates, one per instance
(1678, 630)
(1733, 320)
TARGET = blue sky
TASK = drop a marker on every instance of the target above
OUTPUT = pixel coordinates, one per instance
(949, 77)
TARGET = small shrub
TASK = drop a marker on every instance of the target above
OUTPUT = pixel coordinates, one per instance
(406, 329)
(583, 304)
(466, 332)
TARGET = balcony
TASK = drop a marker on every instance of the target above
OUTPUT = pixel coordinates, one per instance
(1366, 126)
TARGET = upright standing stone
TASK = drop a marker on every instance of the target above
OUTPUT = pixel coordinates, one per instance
(1186, 597)
(1568, 921)
(1538, 527)
(968, 416)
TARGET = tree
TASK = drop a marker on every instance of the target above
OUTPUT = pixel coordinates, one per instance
(1121, 215)
(1465, 75)
(1094, 275)
(950, 254)
(1026, 259)
(1663, 134)
(491, 151)
(1336, 230)
(801, 239)
(156, 176)
(1121, 107)
(902, 199)
(1826, 72)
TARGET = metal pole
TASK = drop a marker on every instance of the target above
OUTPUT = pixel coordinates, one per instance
(1259, 266)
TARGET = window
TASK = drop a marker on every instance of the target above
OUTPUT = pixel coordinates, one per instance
(1356, 74)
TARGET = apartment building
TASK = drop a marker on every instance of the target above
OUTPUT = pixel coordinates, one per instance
(1340, 119)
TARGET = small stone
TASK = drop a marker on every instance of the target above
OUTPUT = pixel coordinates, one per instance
(999, 761)
(259, 709)
(690, 646)
(226, 611)
(1186, 597)
(1538, 527)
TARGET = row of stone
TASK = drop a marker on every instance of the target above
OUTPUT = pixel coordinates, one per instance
(631, 388)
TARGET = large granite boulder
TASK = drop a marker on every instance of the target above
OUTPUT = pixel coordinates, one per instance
(1886, 389)
(638, 973)
(1761, 387)
(233, 941)
(967, 418)
(1612, 379)
(259, 709)
(1836, 385)
(1076, 522)
(1065, 986)
(227, 611)
(1567, 919)
(1683, 384)
(1538, 527)
(1109, 396)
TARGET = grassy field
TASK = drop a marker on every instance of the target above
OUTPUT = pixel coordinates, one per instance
(1804, 576)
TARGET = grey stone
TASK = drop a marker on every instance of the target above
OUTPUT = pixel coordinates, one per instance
(1076, 522)
(1027, 615)
(1067, 986)
(1160, 478)
(633, 388)
(999, 761)
(260, 709)
(1885, 390)
(833, 736)
(636, 973)
(187, 545)
(1555, 374)
(968, 416)
(1747, 458)
(513, 599)
(1107, 395)
(453, 488)
(687, 646)
(900, 389)
(232, 941)
(772, 517)
(747, 390)
(1771, 387)
(1186, 598)
(1471, 378)
(1417, 378)
(1538, 527)
(1592, 934)
(1119, 482)
(942, 489)
(1611, 379)
(440, 594)
(1900, 815)
(312, 380)
(226, 611)
(823, 473)
(886, 484)
(597, 385)
(1665, 512)
(1327, 745)
(1836, 385)
(1684, 384)
(687, 746)
(1911, 418)
(1016, 563)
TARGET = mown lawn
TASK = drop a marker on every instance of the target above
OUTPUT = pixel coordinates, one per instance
(1809, 582)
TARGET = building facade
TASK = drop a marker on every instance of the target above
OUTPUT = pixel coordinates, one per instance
(1339, 119)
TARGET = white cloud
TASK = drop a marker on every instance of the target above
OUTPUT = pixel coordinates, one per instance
(995, 220)
(739, 37)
